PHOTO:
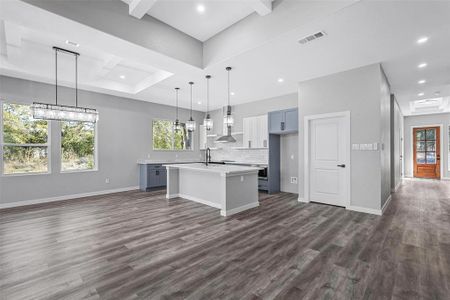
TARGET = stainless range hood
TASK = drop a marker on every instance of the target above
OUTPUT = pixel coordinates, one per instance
(228, 138)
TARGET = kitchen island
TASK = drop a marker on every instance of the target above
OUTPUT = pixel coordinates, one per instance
(230, 188)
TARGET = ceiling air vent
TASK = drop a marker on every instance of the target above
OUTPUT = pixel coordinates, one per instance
(312, 37)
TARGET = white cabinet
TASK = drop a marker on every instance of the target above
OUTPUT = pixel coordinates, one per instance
(255, 132)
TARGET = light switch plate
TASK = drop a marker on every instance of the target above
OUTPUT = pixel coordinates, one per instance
(294, 180)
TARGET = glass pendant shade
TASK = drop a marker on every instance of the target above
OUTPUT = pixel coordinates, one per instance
(228, 120)
(190, 125)
(46, 111)
(208, 123)
(177, 126)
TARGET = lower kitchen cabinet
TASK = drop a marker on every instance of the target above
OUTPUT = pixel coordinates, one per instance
(152, 176)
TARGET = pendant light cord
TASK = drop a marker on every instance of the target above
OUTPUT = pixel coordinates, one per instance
(56, 76)
(76, 80)
(177, 89)
(207, 94)
(228, 69)
(192, 95)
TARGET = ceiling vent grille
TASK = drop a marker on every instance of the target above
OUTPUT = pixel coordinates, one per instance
(312, 37)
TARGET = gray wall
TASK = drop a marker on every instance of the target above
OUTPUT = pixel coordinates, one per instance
(124, 136)
(289, 143)
(396, 143)
(357, 91)
(425, 120)
(385, 138)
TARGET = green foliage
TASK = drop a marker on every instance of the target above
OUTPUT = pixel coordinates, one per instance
(165, 138)
(77, 145)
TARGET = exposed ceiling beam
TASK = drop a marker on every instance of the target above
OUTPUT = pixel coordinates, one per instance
(262, 7)
(138, 8)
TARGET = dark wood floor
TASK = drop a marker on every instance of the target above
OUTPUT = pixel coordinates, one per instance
(135, 245)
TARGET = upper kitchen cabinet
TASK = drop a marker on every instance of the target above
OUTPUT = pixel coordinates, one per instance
(255, 132)
(283, 121)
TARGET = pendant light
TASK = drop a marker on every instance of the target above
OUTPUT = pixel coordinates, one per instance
(177, 124)
(60, 112)
(190, 124)
(208, 122)
(228, 120)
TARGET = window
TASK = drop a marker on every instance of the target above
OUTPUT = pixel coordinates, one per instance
(25, 141)
(165, 138)
(77, 146)
(426, 146)
(448, 152)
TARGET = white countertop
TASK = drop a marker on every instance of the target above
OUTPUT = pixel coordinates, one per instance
(166, 161)
(223, 169)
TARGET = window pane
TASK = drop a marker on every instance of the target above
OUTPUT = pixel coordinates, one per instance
(431, 157)
(420, 157)
(431, 134)
(431, 146)
(420, 146)
(77, 146)
(21, 159)
(19, 127)
(162, 135)
(420, 135)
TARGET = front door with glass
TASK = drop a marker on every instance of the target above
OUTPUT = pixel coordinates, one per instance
(427, 152)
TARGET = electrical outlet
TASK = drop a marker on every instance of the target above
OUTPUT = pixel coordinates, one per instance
(292, 156)
(242, 178)
(148, 155)
(107, 180)
(294, 180)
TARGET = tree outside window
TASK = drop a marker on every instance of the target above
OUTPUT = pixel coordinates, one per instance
(77, 146)
(165, 138)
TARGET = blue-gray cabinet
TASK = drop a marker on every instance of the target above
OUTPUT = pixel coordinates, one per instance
(152, 176)
(283, 121)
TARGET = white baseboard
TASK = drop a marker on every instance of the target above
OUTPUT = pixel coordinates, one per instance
(301, 199)
(386, 204)
(445, 178)
(366, 210)
(236, 210)
(66, 197)
(199, 200)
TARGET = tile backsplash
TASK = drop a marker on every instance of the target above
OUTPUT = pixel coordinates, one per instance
(226, 151)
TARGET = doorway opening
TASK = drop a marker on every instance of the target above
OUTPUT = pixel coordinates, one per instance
(427, 154)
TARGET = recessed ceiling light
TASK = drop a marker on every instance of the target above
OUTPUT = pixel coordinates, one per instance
(422, 40)
(122, 76)
(199, 102)
(201, 8)
(280, 80)
(422, 65)
(232, 93)
(437, 93)
(420, 94)
(422, 81)
(72, 43)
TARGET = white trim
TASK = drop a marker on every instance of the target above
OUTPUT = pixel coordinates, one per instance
(301, 199)
(441, 141)
(199, 200)
(66, 197)
(386, 204)
(227, 213)
(366, 210)
(445, 178)
(347, 128)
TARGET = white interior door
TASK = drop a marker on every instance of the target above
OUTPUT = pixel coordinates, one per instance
(328, 160)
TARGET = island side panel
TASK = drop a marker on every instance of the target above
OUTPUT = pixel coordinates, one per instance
(173, 180)
(202, 187)
(241, 193)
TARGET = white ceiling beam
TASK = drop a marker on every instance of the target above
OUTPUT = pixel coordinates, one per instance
(138, 8)
(262, 7)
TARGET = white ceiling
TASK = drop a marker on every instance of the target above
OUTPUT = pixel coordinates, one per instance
(183, 15)
(360, 34)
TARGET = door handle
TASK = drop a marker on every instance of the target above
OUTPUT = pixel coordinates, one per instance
(341, 166)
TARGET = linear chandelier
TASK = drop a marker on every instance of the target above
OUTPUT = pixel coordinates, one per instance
(60, 112)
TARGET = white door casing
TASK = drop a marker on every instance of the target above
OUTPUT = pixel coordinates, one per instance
(327, 151)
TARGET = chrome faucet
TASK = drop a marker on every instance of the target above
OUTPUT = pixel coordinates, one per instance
(207, 156)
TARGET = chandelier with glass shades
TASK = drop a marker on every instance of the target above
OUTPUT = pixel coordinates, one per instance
(207, 122)
(60, 112)
(190, 124)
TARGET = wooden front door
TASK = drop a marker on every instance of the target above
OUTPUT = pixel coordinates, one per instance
(427, 158)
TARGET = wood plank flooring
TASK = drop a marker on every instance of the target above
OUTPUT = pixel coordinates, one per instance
(136, 245)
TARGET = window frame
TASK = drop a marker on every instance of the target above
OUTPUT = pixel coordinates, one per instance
(173, 140)
(95, 168)
(2, 144)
